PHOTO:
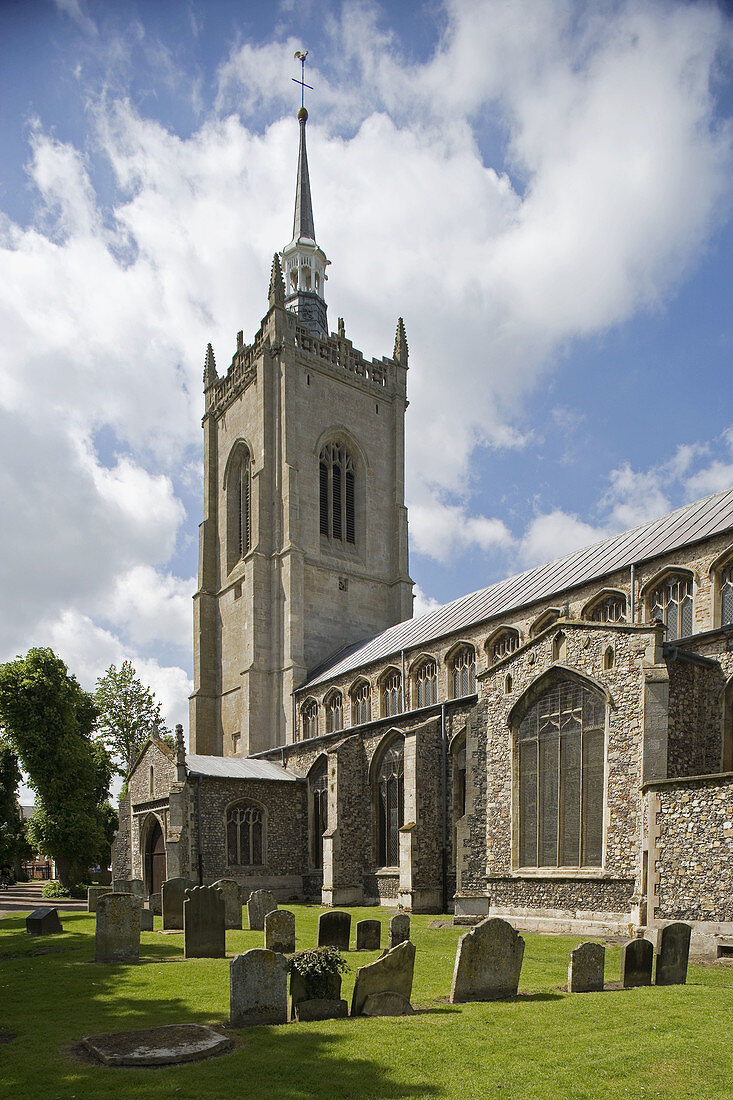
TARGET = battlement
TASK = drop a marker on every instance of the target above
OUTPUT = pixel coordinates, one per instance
(340, 352)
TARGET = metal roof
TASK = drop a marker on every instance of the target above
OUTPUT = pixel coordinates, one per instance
(230, 767)
(690, 524)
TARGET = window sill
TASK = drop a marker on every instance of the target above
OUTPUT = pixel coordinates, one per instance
(385, 872)
(556, 872)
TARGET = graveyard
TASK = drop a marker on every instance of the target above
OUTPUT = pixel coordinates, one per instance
(651, 1040)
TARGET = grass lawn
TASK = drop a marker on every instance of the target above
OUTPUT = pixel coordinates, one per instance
(670, 1041)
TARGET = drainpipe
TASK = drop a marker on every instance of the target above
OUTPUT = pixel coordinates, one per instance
(404, 694)
(444, 792)
(198, 831)
(633, 595)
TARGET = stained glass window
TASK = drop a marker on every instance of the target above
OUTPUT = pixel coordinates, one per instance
(390, 804)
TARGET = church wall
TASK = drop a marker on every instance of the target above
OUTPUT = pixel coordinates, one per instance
(695, 729)
(149, 795)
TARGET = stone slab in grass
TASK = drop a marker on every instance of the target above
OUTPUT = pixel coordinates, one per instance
(157, 1046)
(387, 1003)
(320, 1008)
(43, 921)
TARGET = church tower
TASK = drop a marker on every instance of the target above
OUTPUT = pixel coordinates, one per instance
(303, 545)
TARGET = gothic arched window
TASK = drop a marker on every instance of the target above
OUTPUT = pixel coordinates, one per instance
(547, 618)
(502, 644)
(238, 501)
(334, 705)
(361, 703)
(390, 803)
(560, 743)
(245, 835)
(463, 671)
(609, 607)
(726, 593)
(391, 694)
(671, 601)
(337, 490)
(425, 681)
(309, 718)
(318, 788)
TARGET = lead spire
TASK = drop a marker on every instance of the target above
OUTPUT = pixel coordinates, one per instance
(303, 227)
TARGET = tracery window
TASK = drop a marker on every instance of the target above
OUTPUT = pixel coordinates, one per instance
(238, 501)
(361, 703)
(337, 515)
(318, 786)
(392, 694)
(245, 835)
(561, 778)
(609, 609)
(425, 681)
(335, 712)
(547, 618)
(309, 717)
(390, 800)
(463, 671)
(671, 601)
(504, 643)
(726, 594)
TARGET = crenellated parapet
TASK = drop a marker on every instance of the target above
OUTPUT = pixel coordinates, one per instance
(339, 352)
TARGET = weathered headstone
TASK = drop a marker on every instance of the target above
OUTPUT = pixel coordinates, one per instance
(204, 936)
(399, 929)
(390, 973)
(586, 968)
(488, 963)
(674, 951)
(320, 1008)
(43, 921)
(232, 894)
(146, 920)
(134, 886)
(173, 892)
(334, 929)
(155, 902)
(258, 988)
(328, 997)
(259, 904)
(280, 931)
(93, 895)
(387, 1004)
(637, 958)
(117, 937)
(368, 935)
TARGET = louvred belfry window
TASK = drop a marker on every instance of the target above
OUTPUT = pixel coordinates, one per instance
(671, 601)
(561, 778)
(390, 805)
(238, 494)
(337, 494)
(245, 839)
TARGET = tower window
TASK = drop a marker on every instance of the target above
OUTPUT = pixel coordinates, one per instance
(238, 504)
(671, 601)
(337, 491)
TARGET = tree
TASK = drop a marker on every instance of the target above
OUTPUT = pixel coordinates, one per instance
(128, 715)
(48, 722)
(13, 844)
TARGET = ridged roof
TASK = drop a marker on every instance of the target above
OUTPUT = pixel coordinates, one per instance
(235, 767)
(690, 524)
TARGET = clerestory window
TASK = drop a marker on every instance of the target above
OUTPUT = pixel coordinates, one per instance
(392, 694)
(309, 718)
(726, 594)
(245, 835)
(610, 608)
(671, 601)
(337, 494)
(361, 703)
(335, 712)
(503, 643)
(463, 671)
(425, 679)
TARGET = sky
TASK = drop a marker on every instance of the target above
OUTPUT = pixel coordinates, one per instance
(541, 188)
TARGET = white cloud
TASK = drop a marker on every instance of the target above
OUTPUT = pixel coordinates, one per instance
(150, 606)
(553, 534)
(423, 603)
(442, 530)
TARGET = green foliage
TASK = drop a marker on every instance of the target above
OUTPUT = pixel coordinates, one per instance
(54, 889)
(13, 843)
(128, 715)
(317, 967)
(48, 721)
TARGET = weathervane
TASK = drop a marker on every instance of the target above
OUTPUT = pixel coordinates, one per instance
(301, 58)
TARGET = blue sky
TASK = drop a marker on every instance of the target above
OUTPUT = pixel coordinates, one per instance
(541, 189)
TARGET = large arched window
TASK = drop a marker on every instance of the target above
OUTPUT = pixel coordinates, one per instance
(361, 703)
(390, 803)
(560, 741)
(463, 671)
(502, 643)
(726, 593)
(245, 835)
(608, 607)
(238, 500)
(309, 718)
(425, 682)
(391, 692)
(337, 488)
(671, 601)
(334, 705)
(318, 789)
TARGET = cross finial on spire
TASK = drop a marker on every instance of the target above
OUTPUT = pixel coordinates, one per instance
(301, 56)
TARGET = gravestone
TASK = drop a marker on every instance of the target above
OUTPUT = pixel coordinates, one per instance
(232, 894)
(399, 929)
(117, 936)
(368, 935)
(93, 895)
(674, 951)
(259, 904)
(329, 1000)
(390, 973)
(637, 958)
(134, 886)
(204, 936)
(387, 1004)
(146, 920)
(258, 988)
(172, 894)
(280, 931)
(586, 968)
(155, 902)
(43, 921)
(488, 963)
(334, 929)
(319, 1008)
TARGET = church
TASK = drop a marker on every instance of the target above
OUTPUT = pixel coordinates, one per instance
(555, 749)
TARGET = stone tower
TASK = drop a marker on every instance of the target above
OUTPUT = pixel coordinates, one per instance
(303, 545)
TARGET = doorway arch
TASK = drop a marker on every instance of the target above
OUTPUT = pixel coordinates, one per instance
(155, 859)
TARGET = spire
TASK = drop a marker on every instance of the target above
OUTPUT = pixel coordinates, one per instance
(303, 227)
(401, 351)
(276, 293)
(210, 375)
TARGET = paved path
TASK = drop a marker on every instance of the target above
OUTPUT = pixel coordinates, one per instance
(26, 896)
